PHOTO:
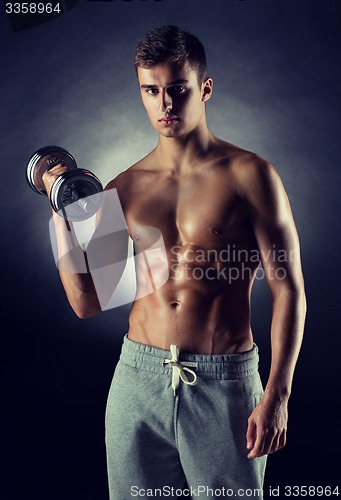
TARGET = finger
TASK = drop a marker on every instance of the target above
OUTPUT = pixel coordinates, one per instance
(275, 443)
(57, 168)
(279, 442)
(54, 172)
(49, 176)
(257, 450)
(268, 442)
(283, 439)
(250, 435)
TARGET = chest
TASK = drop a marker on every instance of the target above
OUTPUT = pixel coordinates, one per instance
(196, 209)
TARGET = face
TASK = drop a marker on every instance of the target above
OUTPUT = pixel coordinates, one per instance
(173, 98)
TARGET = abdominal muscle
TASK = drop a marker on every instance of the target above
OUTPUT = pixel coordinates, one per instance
(201, 316)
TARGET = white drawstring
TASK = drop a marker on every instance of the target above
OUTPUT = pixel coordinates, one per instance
(179, 369)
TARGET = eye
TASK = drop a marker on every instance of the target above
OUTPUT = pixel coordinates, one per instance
(152, 91)
(176, 89)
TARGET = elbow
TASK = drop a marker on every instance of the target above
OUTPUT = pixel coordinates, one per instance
(85, 308)
(304, 303)
(80, 313)
(301, 298)
(292, 291)
(85, 313)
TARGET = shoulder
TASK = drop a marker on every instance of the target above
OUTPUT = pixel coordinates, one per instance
(133, 180)
(258, 184)
(254, 176)
(118, 181)
(124, 179)
(242, 163)
(246, 169)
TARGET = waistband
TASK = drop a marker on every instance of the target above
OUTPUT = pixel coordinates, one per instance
(213, 366)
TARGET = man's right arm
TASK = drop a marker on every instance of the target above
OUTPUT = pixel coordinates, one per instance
(90, 277)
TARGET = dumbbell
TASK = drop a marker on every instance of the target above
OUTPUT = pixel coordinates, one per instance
(76, 194)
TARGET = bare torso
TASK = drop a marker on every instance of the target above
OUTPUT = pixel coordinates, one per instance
(204, 306)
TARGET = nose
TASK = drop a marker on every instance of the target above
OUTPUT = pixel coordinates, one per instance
(165, 102)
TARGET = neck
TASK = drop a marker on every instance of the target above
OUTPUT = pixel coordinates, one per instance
(180, 152)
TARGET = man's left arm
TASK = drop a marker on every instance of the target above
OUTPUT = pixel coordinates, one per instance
(274, 228)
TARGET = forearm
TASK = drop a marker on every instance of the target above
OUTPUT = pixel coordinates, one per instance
(74, 270)
(288, 317)
(81, 294)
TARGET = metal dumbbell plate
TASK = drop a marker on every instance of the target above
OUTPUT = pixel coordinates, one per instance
(45, 159)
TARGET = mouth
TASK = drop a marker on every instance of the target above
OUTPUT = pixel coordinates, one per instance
(169, 120)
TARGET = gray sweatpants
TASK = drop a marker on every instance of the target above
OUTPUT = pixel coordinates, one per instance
(181, 425)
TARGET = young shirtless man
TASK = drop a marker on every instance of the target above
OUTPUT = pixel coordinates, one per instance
(198, 418)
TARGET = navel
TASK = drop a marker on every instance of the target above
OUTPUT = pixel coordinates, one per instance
(175, 304)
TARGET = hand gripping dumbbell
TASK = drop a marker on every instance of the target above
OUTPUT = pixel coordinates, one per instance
(76, 194)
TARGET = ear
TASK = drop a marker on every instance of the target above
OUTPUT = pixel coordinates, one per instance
(206, 89)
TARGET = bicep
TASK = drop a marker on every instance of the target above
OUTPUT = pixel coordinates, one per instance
(274, 227)
(107, 251)
(110, 239)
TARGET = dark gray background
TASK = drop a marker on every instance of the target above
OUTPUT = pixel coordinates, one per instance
(71, 82)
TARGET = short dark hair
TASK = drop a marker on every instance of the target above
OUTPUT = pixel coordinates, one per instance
(171, 44)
